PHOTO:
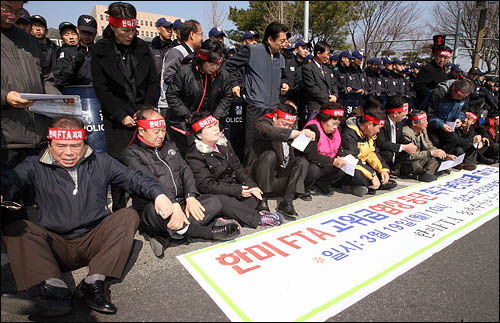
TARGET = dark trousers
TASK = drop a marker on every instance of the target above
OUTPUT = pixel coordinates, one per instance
(117, 138)
(37, 254)
(323, 175)
(153, 224)
(420, 166)
(274, 180)
(490, 151)
(447, 141)
(242, 210)
(252, 114)
(182, 141)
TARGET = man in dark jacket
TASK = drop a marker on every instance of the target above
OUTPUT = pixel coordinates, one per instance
(161, 160)
(198, 86)
(320, 85)
(272, 161)
(49, 48)
(393, 149)
(24, 70)
(73, 63)
(431, 75)
(161, 43)
(75, 227)
(490, 133)
(264, 67)
(374, 78)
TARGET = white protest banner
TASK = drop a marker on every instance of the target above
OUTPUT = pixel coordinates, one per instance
(313, 268)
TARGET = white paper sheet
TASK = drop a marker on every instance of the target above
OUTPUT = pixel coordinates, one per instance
(301, 142)
(452, 125)
(52, 105)
(451, 163)
(350, 167)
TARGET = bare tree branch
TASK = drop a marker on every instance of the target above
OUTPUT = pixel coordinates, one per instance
(217, 13)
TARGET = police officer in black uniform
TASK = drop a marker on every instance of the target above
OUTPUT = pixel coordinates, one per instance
(49, 48)
(73, 64)
(176, 27)
(161, 43)
(481, 102)
(374, 77)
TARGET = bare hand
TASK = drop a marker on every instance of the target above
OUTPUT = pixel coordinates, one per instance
(284, 88)
(339, 162)
(245, 192)
(447, 128)
(14, 100)
(309, 133)
(163, 206)
(438, 153)
(458, 123)
(332, 98)
(486, 141)
(410, 148)
(450, 157)
(361, 91)
(375, 183)
(236, 91)
(349, 89)
(194, 208)
(256, 191)
(128, 121)
(177, 219)
(385, 177)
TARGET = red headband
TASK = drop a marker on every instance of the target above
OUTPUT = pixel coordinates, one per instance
(418, 116)
(494, 118)
(66, 134)
(374, 120)
(208, 121)
(444, 53)
(334, 112)
(152, 124)
(471, 115)
(123, 22)
(403, 108)
(285, 116)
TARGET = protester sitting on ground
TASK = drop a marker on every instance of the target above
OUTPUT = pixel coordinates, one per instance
(393, 149)
(424, 162)
(358, 139)
(218, 171)
(198, 86)
(325, 155)
(160, 159)
(489, 131)
(468, 140)
(446, 109)
(272, 161)
(75, 226)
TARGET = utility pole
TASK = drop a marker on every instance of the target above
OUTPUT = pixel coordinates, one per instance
(483, 5)
(457, 36)
(306, 21)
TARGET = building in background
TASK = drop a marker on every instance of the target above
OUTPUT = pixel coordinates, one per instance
(146, 21)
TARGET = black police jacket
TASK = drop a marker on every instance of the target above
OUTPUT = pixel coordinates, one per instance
(376, 82)
(73, 66)
(68, 209)
(109, 81)
(218, 172)
(427, 79)
(159, 48)
(164, 164)
(50, 51)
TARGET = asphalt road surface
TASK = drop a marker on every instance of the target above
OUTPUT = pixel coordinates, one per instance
(459, 283)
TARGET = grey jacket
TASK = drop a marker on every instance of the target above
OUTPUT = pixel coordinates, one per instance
(24, 70)
(263, 74)
(422, 141)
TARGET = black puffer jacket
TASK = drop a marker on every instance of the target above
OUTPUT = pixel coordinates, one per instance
(218, 173)
(164, 164)
(68, 208)
(427, 79)
(186, 91)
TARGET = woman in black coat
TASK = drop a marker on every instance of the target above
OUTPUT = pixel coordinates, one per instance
(125, 80)
(217, 170)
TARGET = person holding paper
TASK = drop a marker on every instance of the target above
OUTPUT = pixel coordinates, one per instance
(393, 149)
(424, 162)
(325, 154)
(74, 227)
(218, 171)
(445, 107)
(469, 141)
(272, 161)
(358, 139)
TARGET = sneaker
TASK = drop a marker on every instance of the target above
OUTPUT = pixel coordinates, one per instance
(158, 244)
(222, 221)
(41, 299)
(427, 177)
(270, 219)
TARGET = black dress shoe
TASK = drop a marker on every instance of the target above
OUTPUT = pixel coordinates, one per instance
(41, 299)
(226, 232)
(486, 161)
(389, 185)
(286, 208)
(262, 206)
(304, 197)
(96, 296)
(322, 189)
